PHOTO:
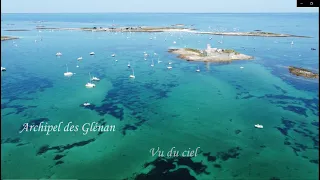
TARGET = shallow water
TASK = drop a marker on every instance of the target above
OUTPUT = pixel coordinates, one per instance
(214, 109)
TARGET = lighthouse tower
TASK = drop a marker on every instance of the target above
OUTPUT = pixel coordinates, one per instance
(208, 46)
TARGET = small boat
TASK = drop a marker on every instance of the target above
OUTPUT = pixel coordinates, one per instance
(79, 58)
(259, 126)
(198, 70)
(174, 42)
(313, 49)
(67, 74)
(116, 60)
(159, 61)
(132, 75)
(169, 67)
(152, 64)
(59, 54)
(95, 79)
(170, 63)
(129, 65)
(291, 42)
(89, 84)
(241, 67)
(3, 69)
(113, 55)
(86, 104)
(92, 53)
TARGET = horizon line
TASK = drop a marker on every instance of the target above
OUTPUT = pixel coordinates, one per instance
(155, 12)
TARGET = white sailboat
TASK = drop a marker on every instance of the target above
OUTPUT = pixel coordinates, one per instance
(89, 84)
(129, 65)
(152, 64)
(92, 53)
(86, 104)
(259, 126)
(67, 74)
(159, 60)
(79, 58)
(198, 70)
(95, 79)
(169, 67)
(59, 54)
(132, 75)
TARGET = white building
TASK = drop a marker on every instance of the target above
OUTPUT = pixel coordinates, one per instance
(210, 50)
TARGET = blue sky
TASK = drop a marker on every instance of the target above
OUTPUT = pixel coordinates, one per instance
(194, 6)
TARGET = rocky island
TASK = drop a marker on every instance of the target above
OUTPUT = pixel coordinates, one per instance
(173, 28)
(209, 54)
(303, 72)
(256, 33)
(5, 38)
(17, 30)
(125, 29)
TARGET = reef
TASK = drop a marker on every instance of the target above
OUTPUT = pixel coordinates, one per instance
(303, 72)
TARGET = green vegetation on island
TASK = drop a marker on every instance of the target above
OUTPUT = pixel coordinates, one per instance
(193, 50)
(230, 51)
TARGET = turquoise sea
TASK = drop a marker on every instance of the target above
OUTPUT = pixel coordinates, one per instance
(215, 109)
